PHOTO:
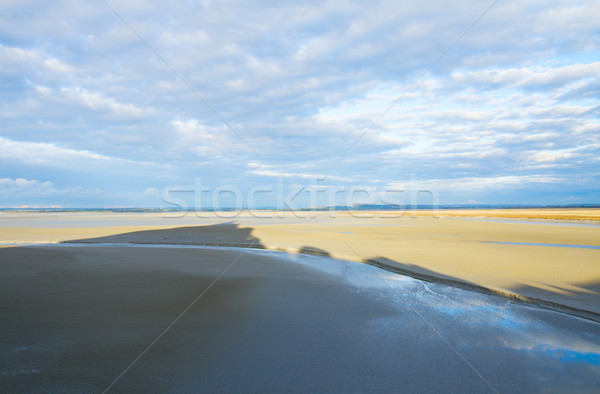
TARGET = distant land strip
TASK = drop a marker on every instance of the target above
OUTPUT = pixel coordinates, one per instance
(579, 213)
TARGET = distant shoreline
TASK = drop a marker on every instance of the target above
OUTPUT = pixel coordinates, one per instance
(568, 214)
(368, 208)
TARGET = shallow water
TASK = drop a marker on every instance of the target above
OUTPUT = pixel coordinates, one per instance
(536, 222)
(542, 244)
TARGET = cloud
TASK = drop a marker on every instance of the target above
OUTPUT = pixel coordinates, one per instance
(551, 156)
(44, 153)
(527, 77)
(475, 183)
(273, 171)
(152, 192)
(51, 155)
(20, 187)
(85, 102)
(97, 102)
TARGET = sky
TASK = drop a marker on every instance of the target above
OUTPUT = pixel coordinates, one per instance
(259, 104)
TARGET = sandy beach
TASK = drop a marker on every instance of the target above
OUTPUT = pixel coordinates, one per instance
(547, 261)
(142, 302)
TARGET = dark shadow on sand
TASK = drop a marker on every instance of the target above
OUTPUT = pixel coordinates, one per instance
(226, 234)
(232, 235)
(314, 251)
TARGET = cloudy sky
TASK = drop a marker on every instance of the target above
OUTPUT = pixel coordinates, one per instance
(107, 104)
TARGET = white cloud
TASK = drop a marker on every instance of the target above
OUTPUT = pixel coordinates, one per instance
(152, 192)
(14, 60)
(551, 156)
(275, 172)
(97, 102)
(473, 183)
(20, 187)
(533, 76)
(44, 153)
(51, 155)
(206, 141)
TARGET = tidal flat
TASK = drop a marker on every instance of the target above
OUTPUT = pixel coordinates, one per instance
(130, 303)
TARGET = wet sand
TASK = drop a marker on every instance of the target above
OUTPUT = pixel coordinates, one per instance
(76, 316)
